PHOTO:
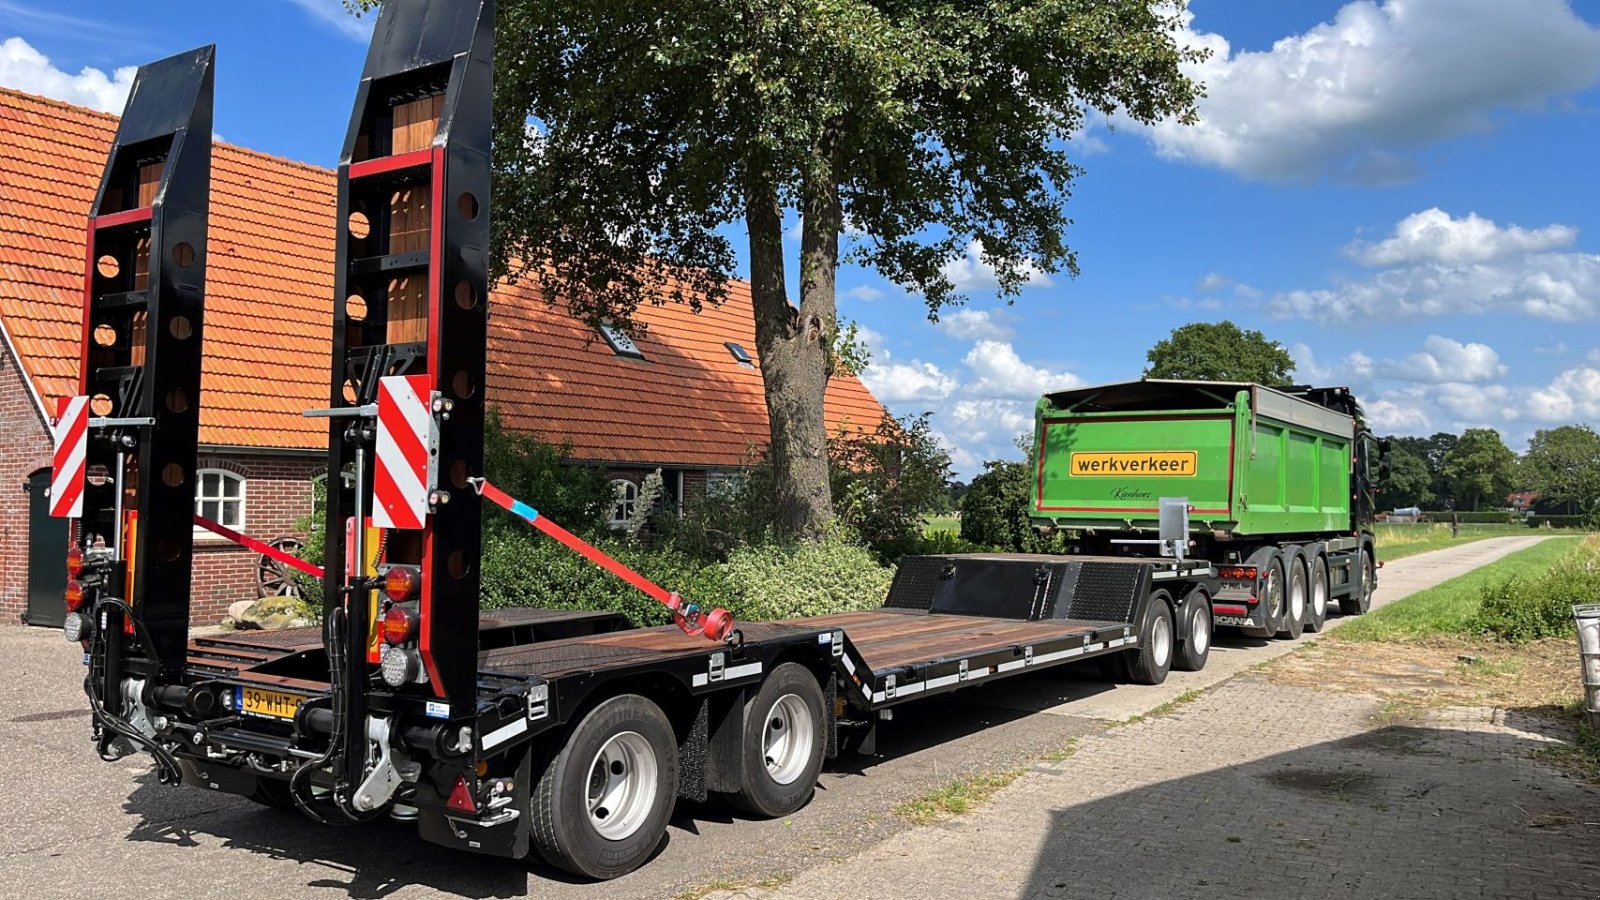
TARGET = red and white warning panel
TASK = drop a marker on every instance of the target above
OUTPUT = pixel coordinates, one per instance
(407, 450)
(72, 450)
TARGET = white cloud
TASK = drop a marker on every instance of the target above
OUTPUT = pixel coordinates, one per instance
(1246, 292)
(26, 69)
(1469, 266)
(1443, 360)
(1434, 236)
(907, 382)
(332, 14)
(864, 292)
(1349, 95)
(1573, 396)
(1212, 281)
(975, 324)
(971, 271)
(1000, 374)
(1398, 414)
(1355, 370)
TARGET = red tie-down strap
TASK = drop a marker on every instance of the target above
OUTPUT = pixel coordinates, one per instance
(716, 625)
(266, 550)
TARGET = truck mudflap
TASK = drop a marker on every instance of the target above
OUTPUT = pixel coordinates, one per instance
(499, 830)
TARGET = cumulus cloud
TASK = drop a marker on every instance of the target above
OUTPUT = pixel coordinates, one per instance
(1349, 96)
(865, 292)
(1434, 236)
(894, 382)
(1443, 360)
(1000, 374)
(972, 271)
(1212, 281)
(975, 324)
(1440, 265)
(25, 69)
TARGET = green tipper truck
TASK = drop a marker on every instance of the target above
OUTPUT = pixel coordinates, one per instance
(1278, 487)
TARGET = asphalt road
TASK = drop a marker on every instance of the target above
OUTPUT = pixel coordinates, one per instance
(76, 826)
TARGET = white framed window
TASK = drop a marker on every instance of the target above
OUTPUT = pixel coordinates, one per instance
(220, 496)
(627, 500)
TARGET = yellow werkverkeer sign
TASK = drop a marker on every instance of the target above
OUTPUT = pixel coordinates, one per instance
(1136, 463)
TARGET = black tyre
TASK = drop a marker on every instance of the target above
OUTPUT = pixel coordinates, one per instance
(1196, 647)
(1358, 603)
(783, 743)
(1296, 599)
(1317, 608)
(1153, 660)
(272, 792)
(601, 807)
(1272, 596)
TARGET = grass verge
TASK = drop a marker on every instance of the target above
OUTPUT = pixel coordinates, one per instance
(771, 883)
(957, 797)
(1448, 607)
(1399, 541)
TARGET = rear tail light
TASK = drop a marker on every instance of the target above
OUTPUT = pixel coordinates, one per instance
(1237, 573)
(74, 595)
(77, 627)
(399, 625)
(74, 562)
(402, 583)
(399, 667)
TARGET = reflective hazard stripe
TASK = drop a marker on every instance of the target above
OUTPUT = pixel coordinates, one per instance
(71, 433)
(407, 460)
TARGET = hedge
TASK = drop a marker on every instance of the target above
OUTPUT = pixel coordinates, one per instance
(1524, 608)
(1557, 521)
(1473, 518)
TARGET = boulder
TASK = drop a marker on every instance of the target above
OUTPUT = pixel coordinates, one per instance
(272, 613)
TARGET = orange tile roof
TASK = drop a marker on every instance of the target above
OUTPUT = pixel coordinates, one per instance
(269, 305)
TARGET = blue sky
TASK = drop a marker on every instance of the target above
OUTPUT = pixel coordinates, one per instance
(1403, 193)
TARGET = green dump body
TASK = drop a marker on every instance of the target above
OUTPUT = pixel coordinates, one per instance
(1251, 460)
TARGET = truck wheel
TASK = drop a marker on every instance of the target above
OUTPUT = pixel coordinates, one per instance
(601, 807)
(1196, 648)
(1272, 599)
(1317, 611)
(1153, 660)
(1358, 603)
(783, 733)
(1294, 615)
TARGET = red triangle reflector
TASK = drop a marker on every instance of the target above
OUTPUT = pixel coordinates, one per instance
(461, 797)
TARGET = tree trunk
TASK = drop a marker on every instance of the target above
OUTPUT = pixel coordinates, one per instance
(795, 348)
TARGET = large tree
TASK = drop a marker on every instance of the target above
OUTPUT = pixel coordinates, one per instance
(1480, 467)
(1433, 451)
(632, 138)
(1410, 483)
(1220, 351)
(1563, 465)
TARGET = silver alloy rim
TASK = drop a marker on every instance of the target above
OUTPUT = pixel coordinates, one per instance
(1202, 630)
(1274, 593)
(1161, 641)
(1297, 599)
(622, 785)
(787, 738)
(1319, 594)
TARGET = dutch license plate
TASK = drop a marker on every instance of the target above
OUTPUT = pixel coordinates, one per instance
(269, 704)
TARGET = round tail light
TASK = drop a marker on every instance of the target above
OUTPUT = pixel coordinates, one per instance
(74, 595)
(399, 625)
(402, 583)
(74, 562)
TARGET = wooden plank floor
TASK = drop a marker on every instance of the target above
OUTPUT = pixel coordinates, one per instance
(888, 640)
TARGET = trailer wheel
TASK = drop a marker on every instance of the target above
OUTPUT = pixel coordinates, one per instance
(1196, 648)
(1273, 600)
(1317, 611)
(601, 807)
(1294, 613)
(783, 735)
(1358, 603)
(1153, 660)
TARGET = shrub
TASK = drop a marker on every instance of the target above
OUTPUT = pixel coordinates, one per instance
(995, 511)
(781, 582)
(1525, 608)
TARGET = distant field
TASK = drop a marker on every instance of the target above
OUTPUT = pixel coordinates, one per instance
(941, 524)
(1397, 541)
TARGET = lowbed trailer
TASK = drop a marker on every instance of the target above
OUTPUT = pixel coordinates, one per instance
(508, 732)
(589, 739)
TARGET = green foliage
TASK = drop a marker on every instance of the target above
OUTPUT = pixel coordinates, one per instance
(1480, 467)
(1220, 351)
(995, 510)
(1558, 522)
(1563, 465)
(1493, 517)
(1410, 483)
(805, 579)
(530, 469)
(885, 481)
(1527, 607)
(1432, 451)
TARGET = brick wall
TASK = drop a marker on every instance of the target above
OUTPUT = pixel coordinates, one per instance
(277, 496)
(24, 449)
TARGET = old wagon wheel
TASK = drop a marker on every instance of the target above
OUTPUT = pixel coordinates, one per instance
(275, 579)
